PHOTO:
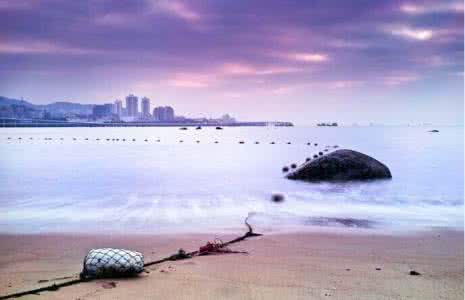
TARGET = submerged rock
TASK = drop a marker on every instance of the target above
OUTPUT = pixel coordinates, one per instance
(341, 165)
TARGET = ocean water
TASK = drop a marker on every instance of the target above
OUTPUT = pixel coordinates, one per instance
(171, 186)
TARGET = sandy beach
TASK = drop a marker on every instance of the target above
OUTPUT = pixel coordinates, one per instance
(278, 266)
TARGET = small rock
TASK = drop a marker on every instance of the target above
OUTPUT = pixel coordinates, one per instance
(277, 198)
(414, 273)
(378, 269)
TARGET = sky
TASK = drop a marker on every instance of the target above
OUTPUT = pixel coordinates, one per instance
(391, 62)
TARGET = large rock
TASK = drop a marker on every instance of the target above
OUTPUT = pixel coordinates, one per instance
(341, 165)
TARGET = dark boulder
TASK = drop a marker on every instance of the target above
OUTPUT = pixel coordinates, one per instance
(341, 165)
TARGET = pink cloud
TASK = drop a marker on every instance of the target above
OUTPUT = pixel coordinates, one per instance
(308, 57)
(189, 80)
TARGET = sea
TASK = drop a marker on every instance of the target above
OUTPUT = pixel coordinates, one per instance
(157, 180)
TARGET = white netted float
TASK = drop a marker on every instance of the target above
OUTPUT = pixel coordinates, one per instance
(109, 262)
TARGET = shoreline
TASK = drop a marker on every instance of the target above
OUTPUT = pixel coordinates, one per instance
(297, 265)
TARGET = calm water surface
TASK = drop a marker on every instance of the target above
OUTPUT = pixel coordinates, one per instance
(157, 187)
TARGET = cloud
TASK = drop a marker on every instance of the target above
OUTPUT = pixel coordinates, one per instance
(394, 80)
(413, 33)
(418, 9)
(115, 19)
(178, 9)
(281, 90)
(344, 84)
(189, 80)
(16, 4)
(245, 69)
(42, 47)
(308, 57)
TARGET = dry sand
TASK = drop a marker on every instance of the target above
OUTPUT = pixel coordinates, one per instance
(278, 266)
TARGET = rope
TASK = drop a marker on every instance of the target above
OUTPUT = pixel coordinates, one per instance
(178, 256)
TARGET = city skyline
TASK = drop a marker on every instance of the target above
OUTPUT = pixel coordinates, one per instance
(388, 62)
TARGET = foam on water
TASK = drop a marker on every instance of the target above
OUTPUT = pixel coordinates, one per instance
(156, 187)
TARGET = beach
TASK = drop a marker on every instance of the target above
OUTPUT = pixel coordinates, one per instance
(299, 265)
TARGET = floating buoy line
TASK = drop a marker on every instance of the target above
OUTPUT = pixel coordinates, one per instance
(158, 140)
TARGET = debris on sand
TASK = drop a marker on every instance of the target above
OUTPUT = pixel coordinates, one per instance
(109, 285)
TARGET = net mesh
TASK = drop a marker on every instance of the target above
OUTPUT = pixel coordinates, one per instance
(109, 262)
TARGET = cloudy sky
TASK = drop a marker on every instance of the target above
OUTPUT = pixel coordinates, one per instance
(302, 61)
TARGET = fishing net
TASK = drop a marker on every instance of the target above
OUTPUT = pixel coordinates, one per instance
(109, 262)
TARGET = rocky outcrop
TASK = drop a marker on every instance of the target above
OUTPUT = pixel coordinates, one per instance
(341, 165)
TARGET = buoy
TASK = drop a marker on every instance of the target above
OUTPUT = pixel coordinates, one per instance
(74, 139)
(241, 142)
(133, 140)
(108, 139)
(216, 142)
(197, 142)
(288, 143)
(9, 138)
(308, 144)
(181, 141)
(316, 144)
(315, 156)
(320, 153)
(293, 166)
(158, 140)
(272, 143)
(308, 159)
(285, 169)
(97, 139)
(20, 138)
(257, 143)
(124, 140)
(145, 140)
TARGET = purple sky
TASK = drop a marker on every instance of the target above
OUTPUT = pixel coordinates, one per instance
(302, 61)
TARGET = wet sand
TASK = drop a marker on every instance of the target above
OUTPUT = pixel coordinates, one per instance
(278, 266)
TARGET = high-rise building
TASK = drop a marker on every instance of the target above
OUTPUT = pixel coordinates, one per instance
(145, 107)
(132, 103)
(163, 114)
(118, 108)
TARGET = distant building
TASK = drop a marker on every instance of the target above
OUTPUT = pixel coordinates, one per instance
(163, 114)
(102, 111)
(145, 107)
(118, 108)
(132, 103)
(227, 119)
